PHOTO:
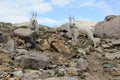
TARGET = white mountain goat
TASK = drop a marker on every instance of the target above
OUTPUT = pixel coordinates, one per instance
(32, 23)
(76, 28)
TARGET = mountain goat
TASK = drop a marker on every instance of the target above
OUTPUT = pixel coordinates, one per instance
(76, 28)
(32, 23)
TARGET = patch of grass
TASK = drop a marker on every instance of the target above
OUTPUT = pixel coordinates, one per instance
(60, 75)
(81, 75)
(42, 30)
(23, 26)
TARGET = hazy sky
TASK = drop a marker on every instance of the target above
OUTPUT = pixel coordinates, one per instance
(56, 12)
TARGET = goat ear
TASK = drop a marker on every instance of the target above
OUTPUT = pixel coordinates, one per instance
(32, 14)
(35, 14)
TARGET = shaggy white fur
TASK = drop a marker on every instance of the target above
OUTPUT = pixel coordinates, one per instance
(32, 23)
(76, 28)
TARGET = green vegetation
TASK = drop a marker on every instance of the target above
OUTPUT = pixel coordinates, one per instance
(23, 26)
(42, 30)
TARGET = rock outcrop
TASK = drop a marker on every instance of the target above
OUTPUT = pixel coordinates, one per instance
(109, 28)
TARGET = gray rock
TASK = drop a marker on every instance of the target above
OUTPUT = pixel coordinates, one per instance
(61, 72)
(26, 34)
(106, 46)
(31, 75)
(82, 64)
(115, 42)
(23, 32)
(2, 37)
(112, 56)
(109, 28)
(33, 61)
(47, 73)
(63, 78)
(72, 71)
(64, 30)
(109, 17)
(28, 45)
(10, 45)
(61, 47)
(18, 73)
(22, 51)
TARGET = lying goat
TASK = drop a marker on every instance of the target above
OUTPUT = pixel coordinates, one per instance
(32, 23)
(76, 28)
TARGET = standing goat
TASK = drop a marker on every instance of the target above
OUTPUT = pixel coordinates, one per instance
(33, 24)
(76, 28)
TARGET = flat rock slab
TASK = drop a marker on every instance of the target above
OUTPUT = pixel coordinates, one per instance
(23, 32)
(61, 47)
(112, 56)
(33, 61)
(115, 42)
(63, 78)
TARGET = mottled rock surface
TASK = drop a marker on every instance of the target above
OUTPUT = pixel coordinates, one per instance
(110, 27)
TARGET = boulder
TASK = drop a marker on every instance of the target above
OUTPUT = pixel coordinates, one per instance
(63, 27)
(106, 46)
(31, 75)
(72, 71)
(18, 73)
(110, 28)
(109, 17)
(112, 56)
(25, 33)
(10, 45)
(2, 37)
(22, 52)
(82, 64)
(61, 47)
(33, 61)
(115, 42)
(44, 45)
(61, 72)
(115, 71)
(64, 30)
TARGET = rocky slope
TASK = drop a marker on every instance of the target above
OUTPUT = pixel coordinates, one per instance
(52, 55)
